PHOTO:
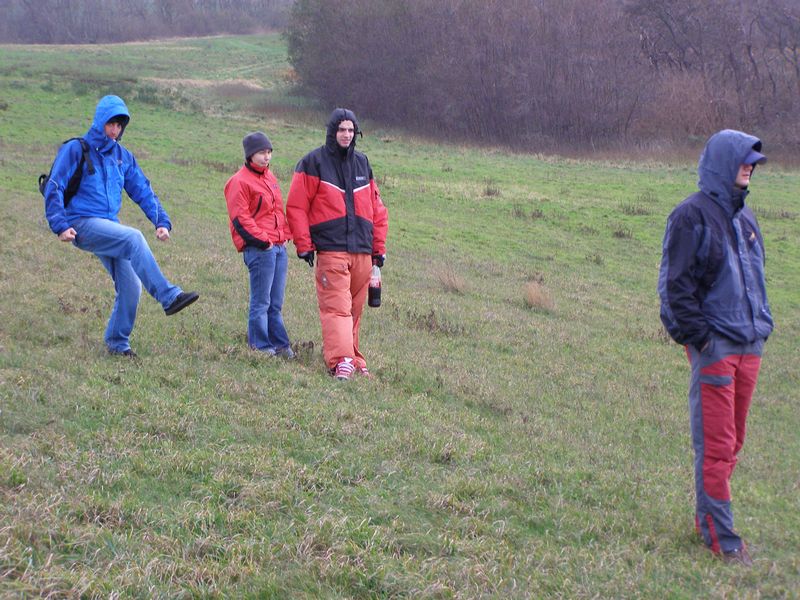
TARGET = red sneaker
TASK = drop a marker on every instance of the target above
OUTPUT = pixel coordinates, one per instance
(344, 370)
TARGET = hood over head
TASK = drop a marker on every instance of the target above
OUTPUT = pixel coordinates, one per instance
(107, 108)
(724, 153)
(337, 116)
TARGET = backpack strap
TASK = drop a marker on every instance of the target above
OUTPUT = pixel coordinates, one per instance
(86, 157)
(75, 181)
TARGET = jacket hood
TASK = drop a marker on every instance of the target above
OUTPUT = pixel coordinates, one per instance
(719, 164)
(337, 116)
(107, 108)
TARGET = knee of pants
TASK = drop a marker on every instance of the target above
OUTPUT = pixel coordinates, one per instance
(259, 307)
(133, 289)
(335, 303)
(135, 241)
(126, 283)
(716, 479)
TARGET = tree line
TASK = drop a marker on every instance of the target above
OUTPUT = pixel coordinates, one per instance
(100, 21)
(524, 72)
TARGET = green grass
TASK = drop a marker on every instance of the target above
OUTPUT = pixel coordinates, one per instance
(503, 450)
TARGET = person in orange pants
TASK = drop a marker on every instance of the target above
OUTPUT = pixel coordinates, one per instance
(342, 280)
(334, 209)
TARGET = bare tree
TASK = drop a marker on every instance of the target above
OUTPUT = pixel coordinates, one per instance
(779, 22)
(91, 21)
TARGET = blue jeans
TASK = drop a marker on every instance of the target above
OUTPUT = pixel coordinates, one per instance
(127, 258)
(268, 269)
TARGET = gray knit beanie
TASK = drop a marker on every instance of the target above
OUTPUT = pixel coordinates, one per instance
(255, 142)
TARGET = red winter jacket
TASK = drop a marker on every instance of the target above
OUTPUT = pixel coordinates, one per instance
(255, 209)
(334, 202)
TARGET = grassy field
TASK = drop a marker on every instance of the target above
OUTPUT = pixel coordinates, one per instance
(526, 434)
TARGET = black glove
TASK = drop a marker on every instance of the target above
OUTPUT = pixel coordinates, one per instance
(307, 256)
(378, 260)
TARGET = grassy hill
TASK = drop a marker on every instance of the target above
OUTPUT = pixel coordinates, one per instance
(526, 434)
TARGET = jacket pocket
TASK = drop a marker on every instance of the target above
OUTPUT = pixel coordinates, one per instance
(258, 206)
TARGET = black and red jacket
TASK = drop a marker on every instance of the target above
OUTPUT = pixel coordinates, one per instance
(255, 209)
(334, 203)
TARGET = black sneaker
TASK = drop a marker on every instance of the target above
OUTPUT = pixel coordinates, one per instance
(126, 353)
(183, 300)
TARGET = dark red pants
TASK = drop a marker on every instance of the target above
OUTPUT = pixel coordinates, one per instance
(720, 391)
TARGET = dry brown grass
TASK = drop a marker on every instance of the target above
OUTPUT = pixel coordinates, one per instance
(226, 84)
(536, 296)
(451, 281)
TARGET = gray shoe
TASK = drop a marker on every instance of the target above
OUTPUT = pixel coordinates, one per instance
(126, 353)
(286, 353)
(738, 557)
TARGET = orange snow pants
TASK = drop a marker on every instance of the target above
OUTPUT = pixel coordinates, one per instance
(342, 281)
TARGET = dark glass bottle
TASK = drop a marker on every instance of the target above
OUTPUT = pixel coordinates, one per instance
(374, 294)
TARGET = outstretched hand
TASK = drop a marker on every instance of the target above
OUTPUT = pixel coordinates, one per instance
(162, 233)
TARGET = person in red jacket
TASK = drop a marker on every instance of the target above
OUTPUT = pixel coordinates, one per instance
(260, 232)
(335, 210)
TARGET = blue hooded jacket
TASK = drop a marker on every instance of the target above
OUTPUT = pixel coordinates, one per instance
(711, 279)
(100, 195)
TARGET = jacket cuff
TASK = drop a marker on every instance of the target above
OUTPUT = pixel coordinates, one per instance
(701, 340)
(260, 244)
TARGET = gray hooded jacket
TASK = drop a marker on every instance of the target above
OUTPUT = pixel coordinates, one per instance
(711, 279)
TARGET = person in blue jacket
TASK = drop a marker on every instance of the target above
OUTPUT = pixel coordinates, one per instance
(90, 220)
(714, 301)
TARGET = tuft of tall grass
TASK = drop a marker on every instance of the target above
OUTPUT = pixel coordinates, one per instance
(596, 258)
(635, 210)
(537, 297)
(217, 166)
(491, 189)
(451, 281)
(647, 197)
(519, 212)
(433, 322)
(623, 233)
(774, 214)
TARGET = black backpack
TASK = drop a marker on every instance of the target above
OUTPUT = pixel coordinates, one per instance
(75, 180)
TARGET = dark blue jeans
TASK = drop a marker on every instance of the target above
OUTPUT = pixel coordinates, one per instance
(268, 269)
